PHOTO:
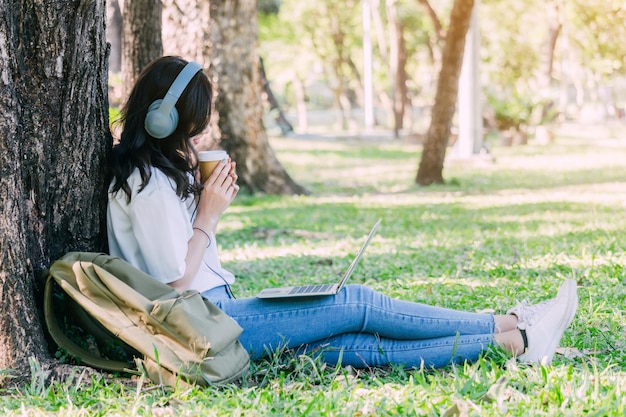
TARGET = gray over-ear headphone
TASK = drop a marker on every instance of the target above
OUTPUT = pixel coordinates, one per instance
(162, 117)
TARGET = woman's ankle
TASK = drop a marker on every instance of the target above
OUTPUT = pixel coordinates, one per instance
(505, 323)
(512, 341)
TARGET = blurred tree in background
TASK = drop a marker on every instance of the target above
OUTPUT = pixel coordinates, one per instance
(542, 63)
(235, 66)
(568, 52)
(433, 156)
(141, 38)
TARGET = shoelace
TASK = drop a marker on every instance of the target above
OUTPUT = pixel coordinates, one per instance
(527, 314)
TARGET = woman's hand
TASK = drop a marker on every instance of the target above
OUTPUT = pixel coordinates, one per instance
(219, 190)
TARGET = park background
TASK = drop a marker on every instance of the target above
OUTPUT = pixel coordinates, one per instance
(509, 223)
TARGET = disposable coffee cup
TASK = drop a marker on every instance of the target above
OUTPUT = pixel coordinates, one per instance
(208, 160)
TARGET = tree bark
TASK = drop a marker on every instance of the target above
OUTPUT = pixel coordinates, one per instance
(141, 38)
(431, 165)
(186, 30)
(187, 33)
(53, 143)
(235, 66)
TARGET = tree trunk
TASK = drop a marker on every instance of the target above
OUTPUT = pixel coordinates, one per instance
(114, 35)
(379, 28)
(300, 93)
(235, 65)
(546, 57)
(384, 99)
(339, 60)
(434, 19)
(187, 33)
(397, 65)
(439, 34)
(434, 153)
(186, 30)
(279, 116)
(341, 103)
(52, 151)
(141, 38)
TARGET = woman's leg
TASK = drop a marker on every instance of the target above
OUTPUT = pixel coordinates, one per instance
(368, 350)
(402, 325)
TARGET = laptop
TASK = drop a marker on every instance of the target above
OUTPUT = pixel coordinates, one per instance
(317, 290)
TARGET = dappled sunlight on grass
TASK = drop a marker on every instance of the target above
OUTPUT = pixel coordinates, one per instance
(335, 246)
(468, 282)
(560, 158)
(386, 172)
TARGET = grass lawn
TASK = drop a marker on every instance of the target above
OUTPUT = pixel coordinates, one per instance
(495, 233)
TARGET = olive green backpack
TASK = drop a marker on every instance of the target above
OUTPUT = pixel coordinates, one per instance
(105, 313)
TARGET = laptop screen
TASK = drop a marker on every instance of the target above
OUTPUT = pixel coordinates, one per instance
(356, 259)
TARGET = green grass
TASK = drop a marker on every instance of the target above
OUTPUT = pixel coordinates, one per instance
(495, 233)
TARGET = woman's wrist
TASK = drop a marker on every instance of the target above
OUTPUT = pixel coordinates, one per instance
(203, 233)
(206, 223)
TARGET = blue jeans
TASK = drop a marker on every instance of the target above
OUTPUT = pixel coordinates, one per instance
(359, 327)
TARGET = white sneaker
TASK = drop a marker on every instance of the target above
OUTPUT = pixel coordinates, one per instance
(545, 327)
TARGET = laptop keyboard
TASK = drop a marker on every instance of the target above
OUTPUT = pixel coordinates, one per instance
(305, 289)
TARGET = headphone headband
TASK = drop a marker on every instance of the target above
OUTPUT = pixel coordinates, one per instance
(162, 117)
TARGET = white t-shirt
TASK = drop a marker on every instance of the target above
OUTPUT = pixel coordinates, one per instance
(152, 231)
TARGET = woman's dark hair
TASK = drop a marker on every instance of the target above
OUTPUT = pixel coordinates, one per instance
(173, 155)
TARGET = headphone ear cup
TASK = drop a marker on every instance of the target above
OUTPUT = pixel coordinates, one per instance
(159, 124)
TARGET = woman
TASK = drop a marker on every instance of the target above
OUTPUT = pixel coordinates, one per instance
(163, 221)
